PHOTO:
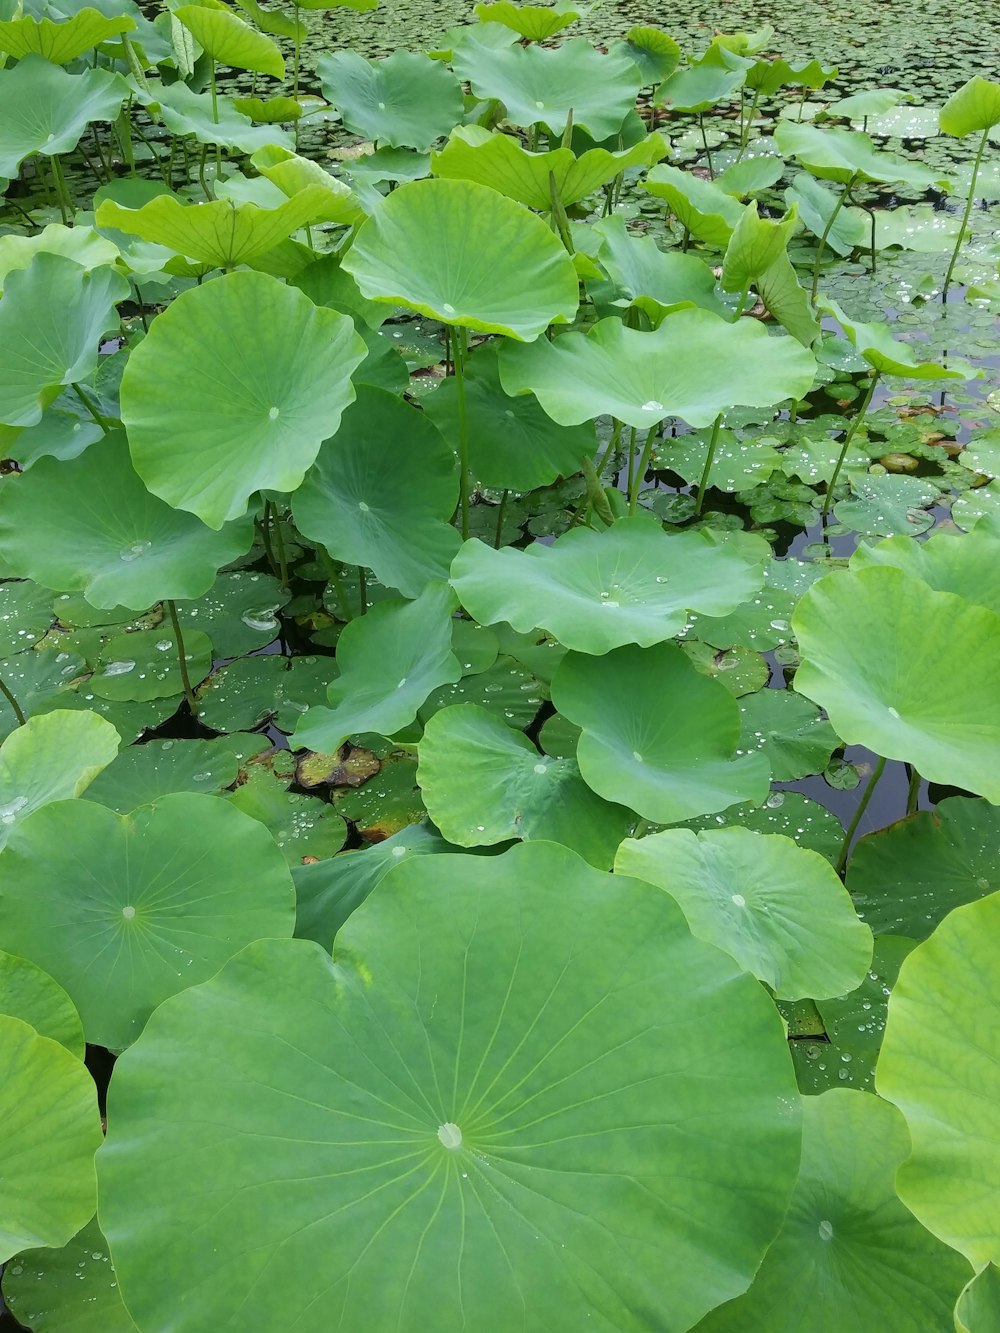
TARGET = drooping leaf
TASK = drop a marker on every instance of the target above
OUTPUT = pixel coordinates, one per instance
(187, 112)
(887, 354)
(756, 244)
(301, 179)
(785, 299)
(406, 100)
(844, 232)
(767, 76)
(44, 109)
(28, 993)
(517, 1116)
(702, 207)
(974, 107)
(844, 155)
(699, 86)
(463, 254)
(751, 174)
(269, 386)
(226, 38)
(60, 42)
(654, 280)
(535, 23)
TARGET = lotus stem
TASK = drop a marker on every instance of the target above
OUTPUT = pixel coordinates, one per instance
(62, 190)
(704, 139)
(181, 658)
(215, 117)
(853, 430)
(634, 482)
(710, 459)
(826, 232)
(560, 222)
(631, 460)
(977, 163)
(741, 303)
(279, 542)
(265, 536)
(103, 422)
(913, 791)
(459, 349)
(501, 510)
(13, 702)
(328, 563)
(592, 472)
(745, 127)
(363, 589)
(852, 828)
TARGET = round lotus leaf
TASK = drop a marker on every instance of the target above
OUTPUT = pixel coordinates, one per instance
(843, 155)
(658, 736)
(129, 719)
(484, 783)
(52, 319)
(697, 87)
(940, 1064)
(694, 366)
(390, 660)
(967, 565)
(741, 670)
(84, 245)
(238, 613)
(464, 1152)
(906, 878)
(417, 250)
(796, 738)
(69, 1290)
(51, 1129)
(53, 757)
(264, 688)
(381, 493)
(142, 774)
(106, 535)
(789, 813)
(779, 910)
(849, 1255)
(43, 109)
(977, 1310)
(541, 85)
(869, 660)
(40, 679)
(882, 505)
(505, 689)
(406, 100)
(760, 623)
(161, 897)
(145, 665)
(28, 993)
(594, 591)
(25, 611)
(268, 385)
(639, 273)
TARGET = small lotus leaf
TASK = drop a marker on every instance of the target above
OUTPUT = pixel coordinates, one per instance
(40, 680)
(653, 52)
(267, 688)
(142, 774)
(845, 231)
(655, 280)
(797, 740)
(25, 614)
(698, 87)
(406, 100)
(230, 41)
(767, 76)
(303, 827)
(238, 613)
(751, 174)
(28, 993)
(43, 109)
(69, 1290)
(465, 255)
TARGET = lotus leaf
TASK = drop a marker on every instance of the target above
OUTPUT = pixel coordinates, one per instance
(788, 813)
(756, 244)
(238, 613)
(506, 690)
(226, 38)
(887, 354)
(595, 591)
(845, 231)
(272, 381)
(144, 664)
(655, 280)
(406, 100)
(699, 86)
(187, 112)
(505, 1139)
(254, 690)
(977, 1309)
(52, 317)
(162, 897)
(142, 774)
(535, 23)
(43, 109)
(657, 734)
(484, 783)
(694, 366)
(867, 658)
(60, 42)
(791, 732)
(848, 155)
(939, 1064)
(51, 1130)
(545, 85)
(702, 207)
(849, 1254)
(303, 827)
(779, 910)
(787, 302)
(83, 245)
(767, 76)
(463, 254)
(653, 52)
(28, 993)
(69, 1290)
(371, 502)
(295, 176)
(25, 615)
(737, 465)
(751, 174)
(975, 106)
(39, 680)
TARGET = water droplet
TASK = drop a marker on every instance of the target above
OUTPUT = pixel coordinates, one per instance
(637, 756)
(263, 621)
(983, 883)
(164, 645)
(652, 406)
(11, 809)
(399, 851)
(448, 308)
(381, 106)
(739, 900)
(133, 552)
(539, 106)
(893, 713)
(826, 1230)
(128, 913)
(201, 777)
(450, 1135)
(541, 768)
(273, 413)
(119, 668)
(363, 507)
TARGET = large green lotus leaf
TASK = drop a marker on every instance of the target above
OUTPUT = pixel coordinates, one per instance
(503, 163)
(867, 658)
(797, 740)
(843, 155)
(51, 1130)
(594, 591)
(381, 493)
(541, 85)
(737, 464)
(513, 444)
(702, 207)
(484, 783)
(940, 1064)
(221, 233)
(406, 100)
(294, 176)
(906, 879)
(144, 664)
(188, 112)
(60, 42)
(327, 892)
(45, 110)
(238, 613)
(694, 366)
(640, 273)
(977, 1310)
(69, 1290)
(849, 1255)
(847, 231)
(28, 993)
(390, 660)
(83, 245)
(968, 565)
(974, 107)
(126, 910)
(451, 1114)
(887, 354)
(52, 318)
(107, 536)
(51, 758)
(658, 736)
(264, 688)
(230, 41)
(25, 614)
(142, 774)
(779, 910)
(463, 254)
(698, 87)
(535, 23)
(268, 386)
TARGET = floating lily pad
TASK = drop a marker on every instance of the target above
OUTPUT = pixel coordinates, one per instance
(302, 826)
(406, 100)
(143, 773)
(789, 813)
(25, 611)
(761, 623)
(28, 993)
(741, 670)
(779, 910)
(40, 679)
(506, 689)
(737, 464)
(145, 665)
(507, 1112)
(387, 803)
(260, 689)
(68, 1290)
(790, 730)
(238, 613)
(163, 897)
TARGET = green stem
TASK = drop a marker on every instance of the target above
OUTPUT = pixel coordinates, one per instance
(215, 117)
(103, 422)
(708, 151)
(745, 131)
(181, 658)
(459, 349)
(560, 222)
(13, 702)
(913, 791)
(852, 828)
(647, 449)
(631, 459)
(594, 472)
(968, 212)
(62, 194)
(501, 510)
(854, 428)
(641, 829)
(826, 232)
(279, 542)
(142, 305)
(363, 589)
(710, 459)
(326, 560)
